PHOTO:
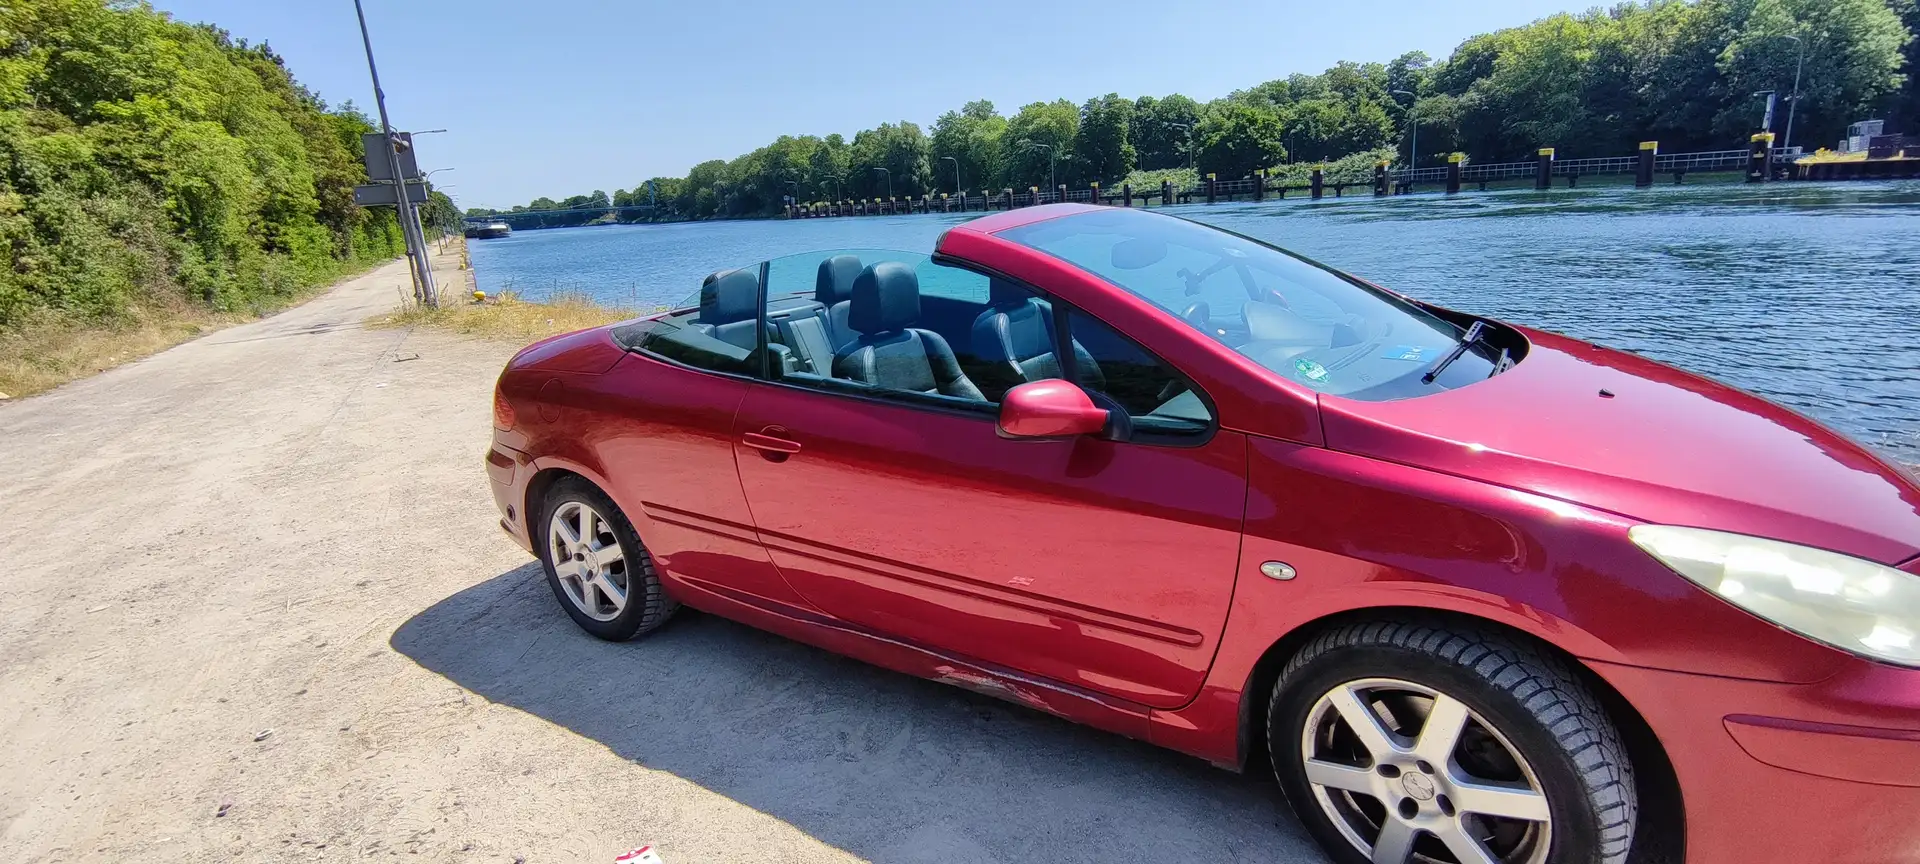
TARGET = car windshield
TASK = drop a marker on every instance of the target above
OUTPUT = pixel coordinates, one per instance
(1292, 316)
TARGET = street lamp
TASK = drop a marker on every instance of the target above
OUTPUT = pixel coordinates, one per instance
(889, 182)
(1413, 120)
(1795, 100)
(956, 172)
(1189, 130)
(1051, 153)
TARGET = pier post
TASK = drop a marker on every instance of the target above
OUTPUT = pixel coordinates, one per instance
(1096, 192)
(1380, 179)
(1166, 192)
(1318, 181)
(1009, 195)
(1573, 179)
(1210, 184)
(1260, 185)
(1453, 172)
(1033, 195)
(1760, 158)
(1126, 194)
(1543, 169)
(1062, 190)
(1643, 169)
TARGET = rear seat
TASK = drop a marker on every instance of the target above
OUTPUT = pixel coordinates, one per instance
(814, 330)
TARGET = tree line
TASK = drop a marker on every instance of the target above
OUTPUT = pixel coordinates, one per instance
(1593, 84)
(145, 161)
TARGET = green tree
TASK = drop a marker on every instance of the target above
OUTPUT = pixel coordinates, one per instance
(1239, 138)
(971, 136)
(892, 155)
(1038, 144)
(1162, 130)
(1101, 149)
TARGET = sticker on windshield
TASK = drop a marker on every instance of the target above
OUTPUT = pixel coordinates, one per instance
(1405, 352)
(1314, 372)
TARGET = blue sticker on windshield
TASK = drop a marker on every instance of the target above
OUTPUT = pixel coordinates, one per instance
(1314, 372)
(1405, 352)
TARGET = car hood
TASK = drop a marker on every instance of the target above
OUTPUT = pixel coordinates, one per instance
(1622, 433)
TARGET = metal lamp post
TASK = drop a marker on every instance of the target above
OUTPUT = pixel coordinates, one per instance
(1794, 102)
(424, 291)
(1035, 145)
(1413, 120)
(956, 172)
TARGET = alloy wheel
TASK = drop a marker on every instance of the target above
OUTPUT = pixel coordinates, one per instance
(587, 558)
(1407, 773)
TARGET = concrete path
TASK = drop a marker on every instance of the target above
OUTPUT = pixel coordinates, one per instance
(258, 575)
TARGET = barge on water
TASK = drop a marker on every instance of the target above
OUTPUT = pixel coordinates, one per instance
(488, 230)
(1865, 154)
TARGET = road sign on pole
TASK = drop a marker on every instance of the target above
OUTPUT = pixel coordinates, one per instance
(382, 194)
(391, 147)
(380, 164)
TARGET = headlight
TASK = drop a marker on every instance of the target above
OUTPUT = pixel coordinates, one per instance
(1854, 605)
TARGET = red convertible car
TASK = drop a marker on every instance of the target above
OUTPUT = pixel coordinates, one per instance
(1476, 592)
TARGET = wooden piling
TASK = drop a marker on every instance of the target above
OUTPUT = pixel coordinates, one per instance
(1210, 184)
(1643, 169)
(1318, 182)
(1260, 185)
(1126, 194)
(1543, 169)
(1166, 192)
(1454, 161)
(1380, 187)
(1760, 158)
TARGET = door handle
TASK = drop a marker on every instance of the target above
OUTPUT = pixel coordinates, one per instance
(770, 445)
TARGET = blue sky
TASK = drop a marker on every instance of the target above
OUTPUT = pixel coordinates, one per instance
(567, 96)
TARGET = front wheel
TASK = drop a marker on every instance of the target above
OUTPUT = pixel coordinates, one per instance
(1406, 742)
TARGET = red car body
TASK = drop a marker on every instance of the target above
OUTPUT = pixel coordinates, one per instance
(1506, 502)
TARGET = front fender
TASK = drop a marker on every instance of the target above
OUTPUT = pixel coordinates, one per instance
(1371, 537)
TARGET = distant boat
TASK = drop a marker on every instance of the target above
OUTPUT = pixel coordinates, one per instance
(489, 230)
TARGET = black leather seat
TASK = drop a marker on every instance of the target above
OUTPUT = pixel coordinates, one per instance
(1013, 339)
(833, 289)
(890, 352)
(730, 307)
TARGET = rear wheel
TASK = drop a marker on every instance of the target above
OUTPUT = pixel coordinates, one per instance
(596, 565)
(1406, 742)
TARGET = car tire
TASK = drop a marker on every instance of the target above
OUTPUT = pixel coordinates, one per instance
(1563, 759)
(586, 578)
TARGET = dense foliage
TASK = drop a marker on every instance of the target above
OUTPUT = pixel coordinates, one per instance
(1593, 84)
(143, 160)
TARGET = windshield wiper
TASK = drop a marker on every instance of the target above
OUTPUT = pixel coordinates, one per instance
(1474, 333)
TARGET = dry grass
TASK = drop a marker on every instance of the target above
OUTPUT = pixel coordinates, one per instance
(508, 317)
(50, 349)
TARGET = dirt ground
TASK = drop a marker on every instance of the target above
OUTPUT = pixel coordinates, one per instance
(254, 606)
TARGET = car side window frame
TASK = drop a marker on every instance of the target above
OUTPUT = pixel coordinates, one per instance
(1063, 312)
(828, 385)
(758, 368)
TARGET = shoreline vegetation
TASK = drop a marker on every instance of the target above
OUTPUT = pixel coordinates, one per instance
(159, 179)
(1684, 73)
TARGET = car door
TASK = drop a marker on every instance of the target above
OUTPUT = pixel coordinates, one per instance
(664, 420)
(1107, 565)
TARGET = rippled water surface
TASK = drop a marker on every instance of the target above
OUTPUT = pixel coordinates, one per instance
(1808, 294)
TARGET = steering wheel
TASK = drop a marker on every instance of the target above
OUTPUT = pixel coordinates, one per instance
(1199, 315)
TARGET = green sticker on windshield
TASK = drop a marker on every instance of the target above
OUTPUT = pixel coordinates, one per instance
(1314, 372)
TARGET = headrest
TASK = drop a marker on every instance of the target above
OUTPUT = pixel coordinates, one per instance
(886, 297)
(835, 281)
(729, 296)
(1000, 292)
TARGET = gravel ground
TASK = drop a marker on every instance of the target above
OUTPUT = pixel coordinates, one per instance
(254, 606)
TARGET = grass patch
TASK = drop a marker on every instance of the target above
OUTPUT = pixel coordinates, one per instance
(507, 317)
(48, 348)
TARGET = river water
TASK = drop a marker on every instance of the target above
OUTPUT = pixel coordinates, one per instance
(1807, 294)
